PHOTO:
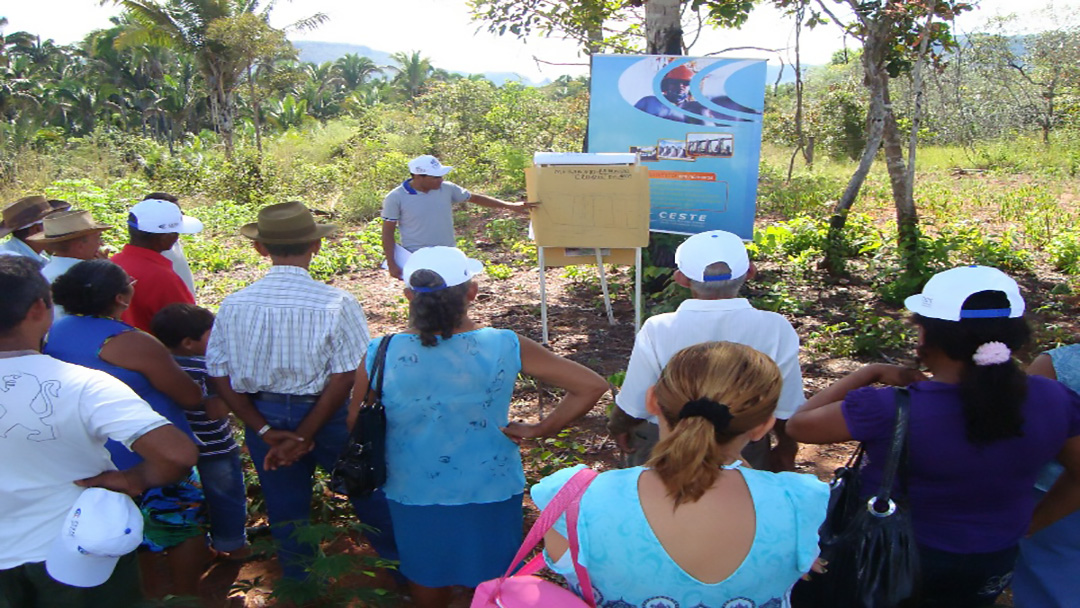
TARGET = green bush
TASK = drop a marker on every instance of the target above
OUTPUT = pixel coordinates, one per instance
(1064, 251)
(805, 194)
(793, 238)
(868, 334)
(499, 272)
(956, 245)
(246, 178)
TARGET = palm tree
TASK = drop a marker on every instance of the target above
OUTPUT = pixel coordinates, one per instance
(370, 94)
(18, 92)
(13, 42)
(413, 72)
(187, 25)
(354, 70)
(287, 113)
(80, 103)
(136, 72)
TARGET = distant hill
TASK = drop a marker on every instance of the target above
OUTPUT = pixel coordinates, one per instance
(318, 52)
(773, 71)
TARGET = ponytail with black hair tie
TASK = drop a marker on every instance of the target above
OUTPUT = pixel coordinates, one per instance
(716, 413)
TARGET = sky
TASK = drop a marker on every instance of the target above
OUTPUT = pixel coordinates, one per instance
(442, 30)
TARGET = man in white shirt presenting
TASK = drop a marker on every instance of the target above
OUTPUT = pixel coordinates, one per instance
(714, 266)
(54, 420)
(421, 208)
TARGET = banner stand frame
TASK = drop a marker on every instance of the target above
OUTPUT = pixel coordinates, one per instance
(603, 287)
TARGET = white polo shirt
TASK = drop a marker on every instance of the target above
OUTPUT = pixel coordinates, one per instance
(696, 321)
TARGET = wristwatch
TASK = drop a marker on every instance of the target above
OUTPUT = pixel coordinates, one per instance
(264, 430)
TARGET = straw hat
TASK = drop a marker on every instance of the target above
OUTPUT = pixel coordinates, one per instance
(66, 226)
(286, 224)
(24, 213)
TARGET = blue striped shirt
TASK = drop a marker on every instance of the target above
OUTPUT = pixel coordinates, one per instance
(214, 437)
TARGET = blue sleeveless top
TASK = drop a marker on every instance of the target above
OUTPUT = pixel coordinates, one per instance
(1066, 361)
(78, 339)
(445, 406)
(630, 568)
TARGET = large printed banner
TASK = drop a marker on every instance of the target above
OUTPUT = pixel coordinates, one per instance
(696, 124)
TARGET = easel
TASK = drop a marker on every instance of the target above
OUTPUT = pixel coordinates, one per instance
(618, 187)
(603, 287)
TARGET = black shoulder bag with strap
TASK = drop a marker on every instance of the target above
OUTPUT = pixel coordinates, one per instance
(869, 544)
(361, 468)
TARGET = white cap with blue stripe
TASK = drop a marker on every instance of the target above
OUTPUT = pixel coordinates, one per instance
(944, 295)
(706, 248)
(450, 263)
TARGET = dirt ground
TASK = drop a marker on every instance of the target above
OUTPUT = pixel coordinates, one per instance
(579, 330)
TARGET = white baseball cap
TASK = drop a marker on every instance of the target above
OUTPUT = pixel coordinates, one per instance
(706, 248)
(944, 295)
(162, 217)
(428, 165)
(447, 262)
(101, 527)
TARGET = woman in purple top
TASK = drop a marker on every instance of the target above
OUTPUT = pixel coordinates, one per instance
(980, 432)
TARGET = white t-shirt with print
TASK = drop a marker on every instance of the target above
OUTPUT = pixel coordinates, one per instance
(54, 420)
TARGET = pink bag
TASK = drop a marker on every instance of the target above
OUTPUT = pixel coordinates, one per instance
(523, 590)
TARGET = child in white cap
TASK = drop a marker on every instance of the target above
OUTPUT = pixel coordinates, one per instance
(713, 266)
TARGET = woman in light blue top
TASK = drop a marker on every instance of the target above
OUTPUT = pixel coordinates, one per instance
(693, 528)
(1047, 572)
(454, 476)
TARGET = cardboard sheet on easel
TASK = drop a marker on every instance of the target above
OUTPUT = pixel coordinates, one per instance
(573, 256)
(603, 206)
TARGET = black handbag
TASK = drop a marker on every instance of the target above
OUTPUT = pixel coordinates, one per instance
(869, 544)
(361, 468)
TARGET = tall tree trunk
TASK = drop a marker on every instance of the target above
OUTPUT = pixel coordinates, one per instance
(663, 33)
(907, 220)
(875, 127)
(596, 39)
(254, 111)
(917, 102)
(221, 110)
(801, 145)
(1049, 122)
(663, 27)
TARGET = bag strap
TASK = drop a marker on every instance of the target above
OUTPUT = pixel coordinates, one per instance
(584, 582)
(567, 500)
(897, 449)
(378, 368)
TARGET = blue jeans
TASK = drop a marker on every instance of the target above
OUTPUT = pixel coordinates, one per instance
(287, 490)
(226, 500)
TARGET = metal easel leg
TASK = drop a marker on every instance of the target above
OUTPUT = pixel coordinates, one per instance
(543, 298)
(603, 286)
(637, 290)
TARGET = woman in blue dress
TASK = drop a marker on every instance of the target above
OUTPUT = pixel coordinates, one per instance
(95, 293)
(693, 528)
(454, 477)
